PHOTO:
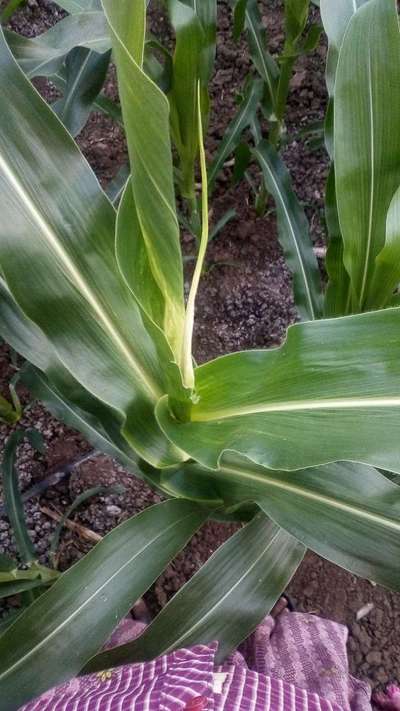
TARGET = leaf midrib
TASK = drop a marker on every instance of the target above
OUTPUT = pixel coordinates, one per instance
(307, 494)
(71, 94)
(220, 601)
(253, 31)
(293, 233)
(86, 292)
(297, 406)
(372, 184)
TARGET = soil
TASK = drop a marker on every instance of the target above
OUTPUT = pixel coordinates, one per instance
(245, 301)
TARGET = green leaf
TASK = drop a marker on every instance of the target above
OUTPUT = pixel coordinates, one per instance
(146, 116)
(338, 294)
(66, 399)
(222, 222)
(53, 639)
(294, 234)
(44, 55)
(207, 13)
(347, 513)
(21, 333)
(133, 259)
(296, 15)
(76, 6)
(159, 72)
(85, 75)
(7, 619)
(253, 568)
(311, 40)
(262, 59)
(10, 7)
(183, 94)
(242, 162)
(273, 405)
(336, 17)
(34, 571)
(74, 292)
(19, 586)
(367, 142)
(6, 564)
(233, 134)
(7, 412)
(239, 18)
(387, 264)
(12, 495)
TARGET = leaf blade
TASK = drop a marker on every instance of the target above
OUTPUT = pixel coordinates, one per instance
(72, 223)
(271, 405)
(78, 601)
(233, 133)
(253, 569)
(294, 234)
(44, 55)
(366, 139)
(348, 513)
(85, 75)
(12, 495)
(146, 116)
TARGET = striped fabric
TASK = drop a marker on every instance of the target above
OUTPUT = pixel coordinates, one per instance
(182, 680)
(295, 663)
(245, 689)
(170, 682)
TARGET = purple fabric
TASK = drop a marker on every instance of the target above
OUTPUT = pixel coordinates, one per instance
(389, 701)
(309, 652)
(250, 690)
(170, 682)
(296, 662)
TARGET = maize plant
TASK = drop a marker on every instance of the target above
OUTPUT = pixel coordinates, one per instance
(75, 55)
(266, 90)
(299, 443)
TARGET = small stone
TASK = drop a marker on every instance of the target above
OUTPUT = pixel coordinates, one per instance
(113, 510)
(353, 646)
(309, 591)
(381, 676)
(374, 658)
(358, 657)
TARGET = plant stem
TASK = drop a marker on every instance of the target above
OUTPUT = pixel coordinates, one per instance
(187, 362)
(194, 219)
(281, 99)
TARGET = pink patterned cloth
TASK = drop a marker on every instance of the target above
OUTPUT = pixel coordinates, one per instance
(297, 662)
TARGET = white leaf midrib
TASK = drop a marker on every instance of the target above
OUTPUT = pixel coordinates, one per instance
(75, 277)
(297, 406)
(307, 494)
(372, 183)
